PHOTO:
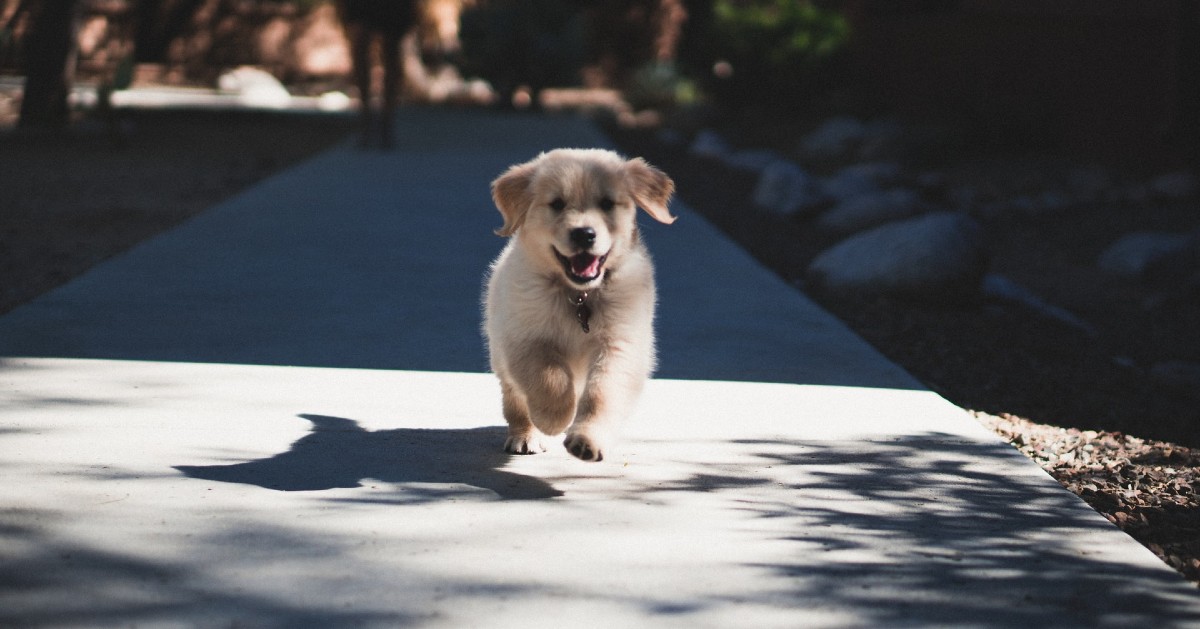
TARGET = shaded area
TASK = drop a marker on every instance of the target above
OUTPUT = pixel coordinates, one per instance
(339, 453)
(929, 529)
(72, 202)
(48, 579)
(915, 530)
(964, 551)
(995, 356)
(372, 260)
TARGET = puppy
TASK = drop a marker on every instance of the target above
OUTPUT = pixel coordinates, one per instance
(569, 302)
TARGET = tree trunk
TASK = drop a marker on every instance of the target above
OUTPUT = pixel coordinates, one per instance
(50, 46)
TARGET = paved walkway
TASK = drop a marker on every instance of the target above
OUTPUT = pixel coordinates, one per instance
(276, 415)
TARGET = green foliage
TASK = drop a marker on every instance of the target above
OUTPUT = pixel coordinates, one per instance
(659, 85)
(785, 34)
(781, 46)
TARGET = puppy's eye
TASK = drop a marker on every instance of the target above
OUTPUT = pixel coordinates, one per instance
(607, 204)
(558, 205)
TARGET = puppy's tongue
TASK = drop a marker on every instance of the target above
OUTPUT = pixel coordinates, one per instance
(585, 265)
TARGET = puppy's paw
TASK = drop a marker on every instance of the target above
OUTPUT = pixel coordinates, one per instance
(584, 447)
(528, 443)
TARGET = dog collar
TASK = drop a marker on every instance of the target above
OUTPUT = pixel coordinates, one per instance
(582, 311)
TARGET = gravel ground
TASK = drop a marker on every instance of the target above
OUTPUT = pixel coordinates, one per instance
(73, 201)
(1148, 488)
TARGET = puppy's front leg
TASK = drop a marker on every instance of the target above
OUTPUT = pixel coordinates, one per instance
(523, 436)
(548, 388)
(612, 389)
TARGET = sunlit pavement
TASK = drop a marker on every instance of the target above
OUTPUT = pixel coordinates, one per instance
(276, 415)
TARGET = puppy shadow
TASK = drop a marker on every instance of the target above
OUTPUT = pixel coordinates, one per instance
(339, 453)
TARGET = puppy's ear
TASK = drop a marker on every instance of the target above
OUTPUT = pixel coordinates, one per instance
(511, 193)
(651, 189)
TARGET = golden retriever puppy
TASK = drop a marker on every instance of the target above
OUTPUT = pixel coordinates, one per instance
(569, 302)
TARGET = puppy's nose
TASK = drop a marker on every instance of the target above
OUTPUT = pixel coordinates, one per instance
(583, 237)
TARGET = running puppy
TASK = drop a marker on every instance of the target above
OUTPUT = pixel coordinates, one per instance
(569, 303)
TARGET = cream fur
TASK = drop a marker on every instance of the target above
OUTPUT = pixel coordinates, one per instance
(554, 377)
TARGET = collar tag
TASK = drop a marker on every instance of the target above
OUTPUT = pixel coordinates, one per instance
(582, 311)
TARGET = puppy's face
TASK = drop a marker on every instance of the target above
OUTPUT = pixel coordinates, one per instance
(573, 210)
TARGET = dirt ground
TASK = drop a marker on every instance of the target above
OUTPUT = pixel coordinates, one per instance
(73, 201)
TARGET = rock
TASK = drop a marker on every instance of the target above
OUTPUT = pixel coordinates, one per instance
(932, 181)
(254, 88)
(1001, 288)
(883, 139)
(1178, 376)
(938, 256)
(1132, 255)
(1174, 186)
(963, 197)
(1177, 270)
(785, 188)
(835, 138)
(334, 101)
(1024, 205)
(849, 183)
(754, 161)
(1053, 201)
(708, 144)
(870, 209)
(1089, 183)
(846, 137)
(882, 173)
(991, 210)
(1133, 194)
(669, 137)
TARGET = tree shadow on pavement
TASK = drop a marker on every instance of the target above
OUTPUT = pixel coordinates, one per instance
(933, 530)
(917, 530)
(49, 578)
(339, 453)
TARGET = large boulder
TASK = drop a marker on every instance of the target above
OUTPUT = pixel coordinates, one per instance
(751, 160)
(785, 188)
(882, 173)
(849, 183)
(940, 256)
(835, 138)
(871, 209)
(1174, 186)
(708, 144)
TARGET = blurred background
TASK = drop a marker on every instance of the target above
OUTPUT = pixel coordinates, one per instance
(1111, 76)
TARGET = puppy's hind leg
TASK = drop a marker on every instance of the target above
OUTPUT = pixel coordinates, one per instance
(523, 436)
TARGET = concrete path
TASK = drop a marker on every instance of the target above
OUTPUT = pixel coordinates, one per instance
(276, 415)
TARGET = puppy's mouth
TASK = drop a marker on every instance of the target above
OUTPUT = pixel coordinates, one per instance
(582, 268)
